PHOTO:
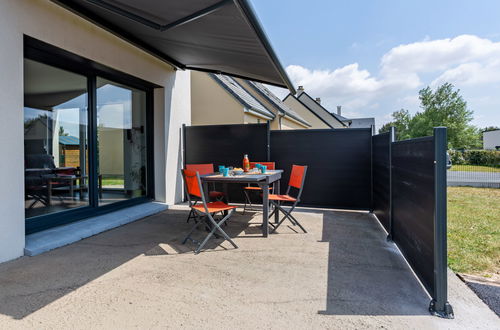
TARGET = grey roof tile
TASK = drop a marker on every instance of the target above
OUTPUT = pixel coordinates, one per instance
(276, 102)
(238, 92)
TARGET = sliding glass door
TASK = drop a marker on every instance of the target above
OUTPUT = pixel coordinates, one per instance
(55, 139)
(121, 141)
(85, 142)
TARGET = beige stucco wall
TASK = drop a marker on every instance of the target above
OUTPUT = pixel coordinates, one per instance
(55, 25)
(211, 104)
(251, 119)
(290, 124)
(305, 113)
(111, 151)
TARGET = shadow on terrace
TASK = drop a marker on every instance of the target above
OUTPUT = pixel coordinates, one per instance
(31, 283)
(355, 273)
(366, 274)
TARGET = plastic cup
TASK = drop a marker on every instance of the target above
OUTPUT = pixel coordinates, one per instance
(263, 168)
(225, 172)
(221, 168)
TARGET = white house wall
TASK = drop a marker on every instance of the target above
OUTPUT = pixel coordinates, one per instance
(48, 22)
(491, 140)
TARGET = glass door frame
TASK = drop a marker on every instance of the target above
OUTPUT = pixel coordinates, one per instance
(47, 54)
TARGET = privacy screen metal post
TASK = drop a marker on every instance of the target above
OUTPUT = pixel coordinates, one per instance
(439, 305)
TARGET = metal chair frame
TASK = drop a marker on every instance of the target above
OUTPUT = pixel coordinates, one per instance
(206, 218)
(288, 214)
(191, 214)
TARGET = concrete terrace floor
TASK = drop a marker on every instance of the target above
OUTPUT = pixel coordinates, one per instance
(342, 274)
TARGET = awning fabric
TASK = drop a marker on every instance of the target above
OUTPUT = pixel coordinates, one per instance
(220, 36)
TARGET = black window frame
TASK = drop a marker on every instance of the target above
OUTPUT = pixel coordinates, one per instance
(45, 53)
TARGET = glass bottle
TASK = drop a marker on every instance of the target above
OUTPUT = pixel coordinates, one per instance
(246, 163)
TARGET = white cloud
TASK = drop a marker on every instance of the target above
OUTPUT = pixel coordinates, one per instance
(465, 60)
(438, 55)
(471, 74)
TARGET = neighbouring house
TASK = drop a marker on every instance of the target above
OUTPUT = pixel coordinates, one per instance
(491, 140)
(115, 77)
(356, 122)
(316, 121)
(316, 107)
(285, 117)
(69, 151)
(333, 119)
(220, 99)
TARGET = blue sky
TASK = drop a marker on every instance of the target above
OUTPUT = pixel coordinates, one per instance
(372, 57)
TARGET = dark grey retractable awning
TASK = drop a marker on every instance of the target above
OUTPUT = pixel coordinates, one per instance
(221, 36)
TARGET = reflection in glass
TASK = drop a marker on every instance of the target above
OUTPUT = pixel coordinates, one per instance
(121, 141)
(55, 139)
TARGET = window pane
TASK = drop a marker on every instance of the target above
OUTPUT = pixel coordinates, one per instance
(121, 135)
(55, 139)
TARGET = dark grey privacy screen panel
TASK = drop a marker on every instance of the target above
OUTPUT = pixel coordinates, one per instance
(382, 178)
(226, 145)
(413, 205)
(211, 35)
(339, 165)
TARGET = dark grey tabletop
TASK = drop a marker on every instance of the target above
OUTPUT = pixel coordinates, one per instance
(252, 177)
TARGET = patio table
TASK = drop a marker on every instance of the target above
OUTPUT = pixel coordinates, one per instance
(264, 181)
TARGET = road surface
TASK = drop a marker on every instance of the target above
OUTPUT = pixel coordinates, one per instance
(474, 179)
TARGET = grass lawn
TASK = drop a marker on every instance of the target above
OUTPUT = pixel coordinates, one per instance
(112, 181)
(474, 230)
(474, 168)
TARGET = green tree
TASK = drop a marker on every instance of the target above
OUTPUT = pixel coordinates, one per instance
(401, 121)
(442, 107)
(62, 132)
(445, 107)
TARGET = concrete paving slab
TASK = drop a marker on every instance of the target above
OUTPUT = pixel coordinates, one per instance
(60, 236)
(342, 274)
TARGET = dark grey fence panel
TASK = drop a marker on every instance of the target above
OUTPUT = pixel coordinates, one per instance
(381, 149)
(413, 205)
(419, 212)
(226, 145)
(338, 160)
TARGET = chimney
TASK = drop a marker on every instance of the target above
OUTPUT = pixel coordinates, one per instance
(300, 90)
(318, 100)
(339, 110)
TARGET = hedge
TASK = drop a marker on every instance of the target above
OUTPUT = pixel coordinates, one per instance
(475, 157)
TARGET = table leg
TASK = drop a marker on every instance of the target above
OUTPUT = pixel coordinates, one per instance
(265, 210)
(205, 191)
(226, 196)
(49, 193)
(72, 189)
(277, 188)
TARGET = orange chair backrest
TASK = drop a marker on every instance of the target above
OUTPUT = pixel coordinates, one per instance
(297, 176)
(192, 186)
(270, 165)
(201, 168)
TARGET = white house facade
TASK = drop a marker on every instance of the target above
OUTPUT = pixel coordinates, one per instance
(95, 76)
(491, 140)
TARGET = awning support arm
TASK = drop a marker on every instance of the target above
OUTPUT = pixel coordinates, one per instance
(141, 20)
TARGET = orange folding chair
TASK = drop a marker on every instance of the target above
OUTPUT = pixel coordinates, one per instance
(205, 212)
(248, 189)
(212, 194)
(297, 179)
